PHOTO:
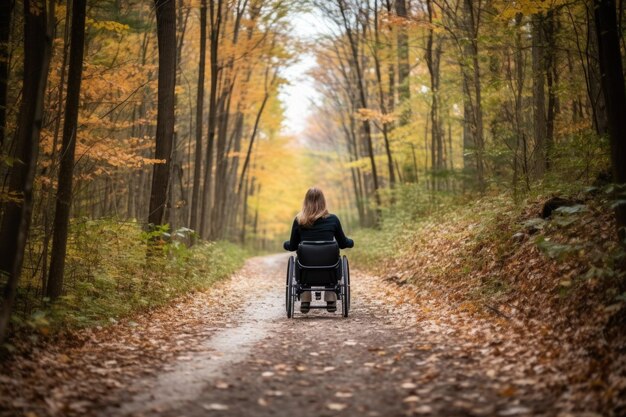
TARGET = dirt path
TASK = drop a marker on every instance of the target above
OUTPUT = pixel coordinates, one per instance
(233, 352)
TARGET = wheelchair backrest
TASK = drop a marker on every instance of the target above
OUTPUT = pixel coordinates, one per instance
(318, 263)
(318, 253)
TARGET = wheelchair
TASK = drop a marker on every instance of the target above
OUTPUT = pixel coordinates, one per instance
(317, 267)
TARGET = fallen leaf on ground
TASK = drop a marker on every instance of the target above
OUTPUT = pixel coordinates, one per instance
(336, 406)
(215, 407)
(411, 399)
(423, 409)
(513, 411)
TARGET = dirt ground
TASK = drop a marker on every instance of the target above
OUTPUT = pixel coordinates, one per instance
(232, 352)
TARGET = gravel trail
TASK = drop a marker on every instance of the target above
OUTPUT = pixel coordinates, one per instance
(390, 357)
(231, 351)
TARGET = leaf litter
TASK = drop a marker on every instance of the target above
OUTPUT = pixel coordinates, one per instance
(409, 347)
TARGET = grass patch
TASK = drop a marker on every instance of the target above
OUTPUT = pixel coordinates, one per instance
(108, 277)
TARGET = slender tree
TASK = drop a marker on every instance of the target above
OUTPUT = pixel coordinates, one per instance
(352, 34)
(166, 36)
(383, 100)
(38, 35)
(608, 37)
(197, 169)
(539, 95)
(68, 148)
(433, 59)
(215, 24)
(472, 17)
(6, 12)
(404, 92)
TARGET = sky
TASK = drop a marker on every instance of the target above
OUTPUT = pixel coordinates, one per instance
(300, 92)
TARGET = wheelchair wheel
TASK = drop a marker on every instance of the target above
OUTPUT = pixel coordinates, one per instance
(345, 287)
(289, 288)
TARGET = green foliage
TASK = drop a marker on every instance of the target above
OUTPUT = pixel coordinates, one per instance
(372, 247)
(109, 275)
(419, 213)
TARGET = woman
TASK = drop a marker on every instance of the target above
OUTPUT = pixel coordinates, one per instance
(315, 223)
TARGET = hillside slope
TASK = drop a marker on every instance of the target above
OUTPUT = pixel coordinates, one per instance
(555, 282)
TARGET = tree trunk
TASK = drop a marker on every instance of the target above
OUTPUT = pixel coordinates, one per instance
(539, 96)
(244, 216)
(216, 23)
(46, 190)
(197, 170)
(6, 12)
(469, 144)
(552, 80)
(404, 92)
(38, 36)
(166, 36)
(615, 95)
(68, 147)
(367, 132)
(433, 58)
(594, 80)
(221, 162)
(382, 100)
(246, 161)
(479, 138)
(176, 193)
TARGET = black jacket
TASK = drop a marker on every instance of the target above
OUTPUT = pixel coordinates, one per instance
(324, 228)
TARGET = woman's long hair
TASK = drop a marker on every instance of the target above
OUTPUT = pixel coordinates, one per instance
(313, 207)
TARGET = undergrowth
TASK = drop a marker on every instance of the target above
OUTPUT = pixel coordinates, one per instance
(109, 276)
(475, 241)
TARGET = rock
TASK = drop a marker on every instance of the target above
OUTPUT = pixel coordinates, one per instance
(532, 226)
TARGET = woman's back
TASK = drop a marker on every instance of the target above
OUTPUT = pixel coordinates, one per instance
(325, 228)
(315, 223)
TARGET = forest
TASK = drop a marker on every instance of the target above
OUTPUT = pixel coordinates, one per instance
(148, 148)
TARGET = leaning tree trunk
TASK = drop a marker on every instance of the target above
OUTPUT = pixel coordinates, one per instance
(615, 96)
(68, 147)
(166, 35)
(17, 215)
